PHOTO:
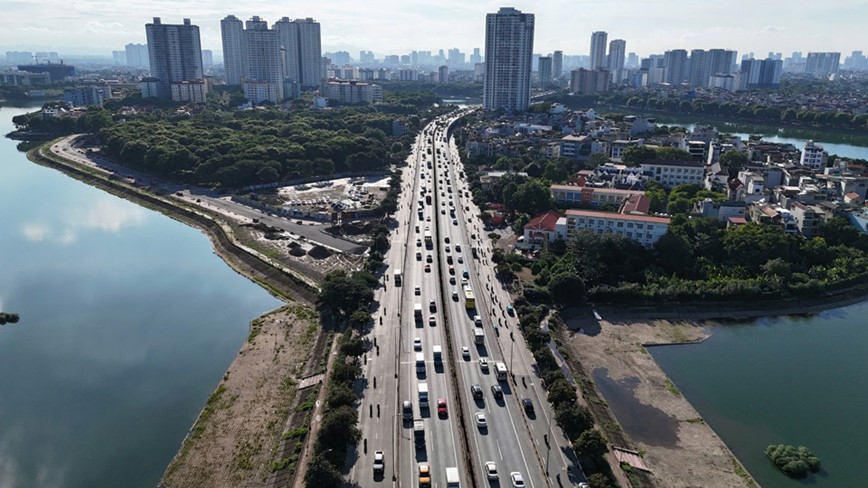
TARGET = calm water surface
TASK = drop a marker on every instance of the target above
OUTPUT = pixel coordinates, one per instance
(128, 321)
(790, 380)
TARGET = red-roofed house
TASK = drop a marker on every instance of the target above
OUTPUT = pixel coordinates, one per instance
(853, 198)
(541, 228)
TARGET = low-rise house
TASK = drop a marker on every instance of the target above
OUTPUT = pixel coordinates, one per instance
(808, 220)
(591, 197)
(542, 229)
(722, 211)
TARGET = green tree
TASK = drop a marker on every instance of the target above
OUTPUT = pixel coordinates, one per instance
(636, 155)
(321, 472)
(532, 197)
(561, 392)
(566, 288)
(672, 154)
(573, 419)
(734, 161)
(674, 253)
(591, 445)
(343, 293)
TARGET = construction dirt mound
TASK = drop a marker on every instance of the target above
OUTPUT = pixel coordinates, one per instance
(319, 252)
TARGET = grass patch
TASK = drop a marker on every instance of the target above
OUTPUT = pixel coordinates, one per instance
(697, 420)
(210, 407)
(740, 471)
(299, 432)
(677, 334)
(672, 389)
(246, 452)
(255, 329)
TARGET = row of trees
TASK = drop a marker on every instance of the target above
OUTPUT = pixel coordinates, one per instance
(700, 259)
(92, 120)
(575, 420)
(748, 111)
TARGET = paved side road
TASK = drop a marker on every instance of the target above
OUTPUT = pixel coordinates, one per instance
(205, 197)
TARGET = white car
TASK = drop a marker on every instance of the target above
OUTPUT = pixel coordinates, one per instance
(465, 352)
(417, 344)
(517, 479)
(480, 420)
(483, 364)
(491, 470)
(455, 295)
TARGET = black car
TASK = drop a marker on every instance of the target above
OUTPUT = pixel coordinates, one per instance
(476, 390)
(528, 405)
(497, 391)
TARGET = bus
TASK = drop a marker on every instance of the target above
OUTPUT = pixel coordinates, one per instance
(469, 297)
(428, 242)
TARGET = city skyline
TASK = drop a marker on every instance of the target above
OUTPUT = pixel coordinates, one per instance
(85, 28)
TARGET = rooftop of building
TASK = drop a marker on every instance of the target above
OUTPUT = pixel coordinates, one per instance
(685, 163)
(546, 221)
(616, 216)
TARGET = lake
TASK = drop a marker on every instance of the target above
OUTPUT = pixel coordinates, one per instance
(128, 322)
(790, 380)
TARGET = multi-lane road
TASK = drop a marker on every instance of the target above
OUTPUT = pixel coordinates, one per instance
(435, 202)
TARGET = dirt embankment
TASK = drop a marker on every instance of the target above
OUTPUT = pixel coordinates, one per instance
(234, 440)
(645, 411)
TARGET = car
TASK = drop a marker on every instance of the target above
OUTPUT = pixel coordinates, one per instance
(446, 239)
(427, 218)
(451, 280)
(451, 269)
(473, 235)
(432, 320)
(517, 479)
(446, 248)
(429, 259)
(483, 364)
(442, 211)
(476, 391)
(454, 221)
(432, 305)
(417, 290)
(460, 260)
(510, 310)
(449, 259)
(427, 268)
(465, 352)
(491, 470)
(455, 295)
(457, 247)
(480, 420)
(497, 391)
(418, 242)
(584, 485)
(463, 281)
(407, 410)
(417, 344)
(528, 405)
(379, 462)
(417, 229)
(418, 256)
(441, 407)
(424, 476)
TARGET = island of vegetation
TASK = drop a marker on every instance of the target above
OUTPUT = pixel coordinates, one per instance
(795, 462)
(8, 318)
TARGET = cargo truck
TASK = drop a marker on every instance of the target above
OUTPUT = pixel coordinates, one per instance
(419, 434)
(397, 277)
(420, 362)
(417, 312)
(452, 478)
(438, 354)
(478, 335)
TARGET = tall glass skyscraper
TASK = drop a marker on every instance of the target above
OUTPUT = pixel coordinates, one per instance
(175, 54)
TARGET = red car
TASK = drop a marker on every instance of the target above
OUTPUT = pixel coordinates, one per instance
(441, 407)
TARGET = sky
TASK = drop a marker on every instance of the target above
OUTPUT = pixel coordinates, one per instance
(399, 26)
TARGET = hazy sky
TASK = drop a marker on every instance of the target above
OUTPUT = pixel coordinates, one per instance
(399, 26)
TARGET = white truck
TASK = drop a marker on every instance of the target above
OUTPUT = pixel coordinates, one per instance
(417, 312)
(452, 478)
(420, 362)
(397, 277)
(438, 354)
(423, 395)
(478, 335)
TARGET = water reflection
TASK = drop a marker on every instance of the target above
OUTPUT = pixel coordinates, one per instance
(106, 214)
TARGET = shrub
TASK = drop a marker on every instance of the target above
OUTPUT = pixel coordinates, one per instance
(795, 462)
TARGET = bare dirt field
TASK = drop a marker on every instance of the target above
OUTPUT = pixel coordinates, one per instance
(652, 416)
(233, 441)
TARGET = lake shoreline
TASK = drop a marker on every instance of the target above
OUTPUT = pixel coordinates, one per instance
(256, 379)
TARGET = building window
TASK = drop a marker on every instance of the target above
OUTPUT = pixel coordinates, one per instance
(620, 224)
(639, 226)
(629, 225)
